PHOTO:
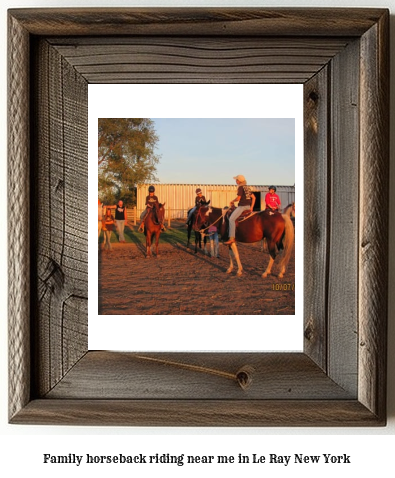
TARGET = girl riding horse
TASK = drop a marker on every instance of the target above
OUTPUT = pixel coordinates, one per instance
(151, 201)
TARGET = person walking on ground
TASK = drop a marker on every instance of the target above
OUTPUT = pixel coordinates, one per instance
(121, 219)
(108, 226)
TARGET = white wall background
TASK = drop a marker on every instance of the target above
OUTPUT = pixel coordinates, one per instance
(23, 447)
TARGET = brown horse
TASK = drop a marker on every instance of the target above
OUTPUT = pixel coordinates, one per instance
(276, 228)
(198, 236)
(153, 227)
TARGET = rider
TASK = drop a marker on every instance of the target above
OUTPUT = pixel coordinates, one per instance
(151, 201)
(246, 201)
(272, 200)
(199, 200)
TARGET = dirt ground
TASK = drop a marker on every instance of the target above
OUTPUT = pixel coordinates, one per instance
(179, 282)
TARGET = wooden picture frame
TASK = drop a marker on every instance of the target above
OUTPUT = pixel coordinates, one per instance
(342, 58)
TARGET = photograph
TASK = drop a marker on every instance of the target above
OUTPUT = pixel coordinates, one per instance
(173, 212)
(196, 216)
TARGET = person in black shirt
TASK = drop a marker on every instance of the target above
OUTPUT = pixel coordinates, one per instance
(199, 200)
(121, 219)
(246, 200)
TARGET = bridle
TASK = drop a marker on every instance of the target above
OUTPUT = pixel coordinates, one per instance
(201, 231)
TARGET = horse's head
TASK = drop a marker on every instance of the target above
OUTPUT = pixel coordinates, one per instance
(201, 218)
(160, 212)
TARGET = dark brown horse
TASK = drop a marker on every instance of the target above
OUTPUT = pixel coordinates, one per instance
(153, 227)
(198, 236)
(276, 228)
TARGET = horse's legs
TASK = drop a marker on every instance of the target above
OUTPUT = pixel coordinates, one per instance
(269, 267)
(148, 243)
(233, 250)
(189, 233)
(230, 268)
(196, 241)
(263, 245)
(272, 251)
(205, 246)
(157, 234)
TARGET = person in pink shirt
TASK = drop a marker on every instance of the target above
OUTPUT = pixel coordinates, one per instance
(272, 200)
(214, 242)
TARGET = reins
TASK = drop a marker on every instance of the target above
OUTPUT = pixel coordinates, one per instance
(222, 216)
(202, 230)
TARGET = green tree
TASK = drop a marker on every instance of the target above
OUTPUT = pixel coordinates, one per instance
(126, 157)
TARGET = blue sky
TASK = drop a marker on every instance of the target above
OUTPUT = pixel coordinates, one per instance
(213, 151)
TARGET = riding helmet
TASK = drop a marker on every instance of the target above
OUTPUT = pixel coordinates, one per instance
(198, 191)
(273, 187)
(151, 189)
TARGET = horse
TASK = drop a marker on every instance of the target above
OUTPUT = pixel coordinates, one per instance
(198, 236)
(276, 228)
(153, 226)
(289, 211)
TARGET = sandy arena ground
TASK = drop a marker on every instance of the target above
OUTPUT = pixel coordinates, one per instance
(179, 282)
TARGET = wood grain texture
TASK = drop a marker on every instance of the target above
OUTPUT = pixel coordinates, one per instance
(344, 216)
(340, 377)
(328, 22)
(201, 413)
(284, 376)
(19, 232)
(191, 59)
(316, 213)
(373, 232)
(61, 198)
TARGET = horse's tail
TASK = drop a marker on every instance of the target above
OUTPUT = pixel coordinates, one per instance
(288, 210)
(288, 241)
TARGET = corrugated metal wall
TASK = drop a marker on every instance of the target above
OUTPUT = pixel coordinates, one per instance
(181, 197)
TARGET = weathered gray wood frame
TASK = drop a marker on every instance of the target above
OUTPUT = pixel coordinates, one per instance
(342, 58)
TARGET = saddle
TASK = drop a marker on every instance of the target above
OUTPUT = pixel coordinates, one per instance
(225, 224)
(269, 212)
(243, 216)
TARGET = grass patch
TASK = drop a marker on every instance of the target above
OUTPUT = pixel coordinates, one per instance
(176, 234)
